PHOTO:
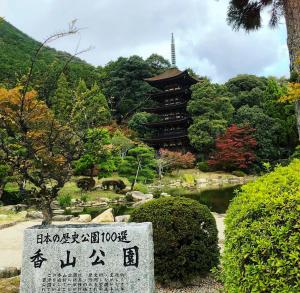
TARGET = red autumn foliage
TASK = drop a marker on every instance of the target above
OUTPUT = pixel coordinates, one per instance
(234, 149)
(177, 160)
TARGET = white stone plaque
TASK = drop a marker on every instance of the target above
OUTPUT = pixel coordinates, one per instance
(88, 258)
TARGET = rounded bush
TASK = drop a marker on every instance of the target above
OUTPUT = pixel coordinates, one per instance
(185, 237)
(262, 246)
(86, 183)
(204, 167)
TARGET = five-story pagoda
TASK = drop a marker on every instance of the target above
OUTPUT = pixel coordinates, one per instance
(170, 106)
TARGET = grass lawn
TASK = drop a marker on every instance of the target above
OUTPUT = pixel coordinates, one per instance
(10, 216)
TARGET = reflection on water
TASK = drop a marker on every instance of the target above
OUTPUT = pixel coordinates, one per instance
(217, 199)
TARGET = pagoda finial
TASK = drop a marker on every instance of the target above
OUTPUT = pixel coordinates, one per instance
(173, 54)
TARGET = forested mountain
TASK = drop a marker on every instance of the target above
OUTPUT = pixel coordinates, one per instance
(16, 49)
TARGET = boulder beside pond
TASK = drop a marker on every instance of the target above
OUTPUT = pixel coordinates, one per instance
(105, 217)
(122, 219)
(84, 218)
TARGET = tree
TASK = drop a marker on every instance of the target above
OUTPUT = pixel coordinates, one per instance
(90, 109)
(5, 172)
(138, 165)
(248, 15)
(234, 149)
(211, 110)
(138, 123)
(62, 101)
(246, 90)
(177, 160)
(269, 132)
(158, 64)
(35, 145)
(121, 143)
(97, 154)
(124, 85)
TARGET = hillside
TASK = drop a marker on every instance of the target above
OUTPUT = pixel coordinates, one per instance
(16, 49)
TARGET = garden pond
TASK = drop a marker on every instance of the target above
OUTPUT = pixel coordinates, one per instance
(216, 198)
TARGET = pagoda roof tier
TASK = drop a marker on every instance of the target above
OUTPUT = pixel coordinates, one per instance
(173, 75)
(165, 108)
(169, 93)
(161, 139)
(168, 122)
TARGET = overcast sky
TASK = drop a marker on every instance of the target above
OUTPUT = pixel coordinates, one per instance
(116, 28)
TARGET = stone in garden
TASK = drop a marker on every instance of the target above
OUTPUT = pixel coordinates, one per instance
(88, 258)
(165, 194)
(62, 218)
(85, 218)
(123, 218)
(35, 215)
(106, 217)
(137, 195)
(3, 217)
(58, 212)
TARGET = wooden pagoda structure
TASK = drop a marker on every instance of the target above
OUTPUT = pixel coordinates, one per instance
(170, 100)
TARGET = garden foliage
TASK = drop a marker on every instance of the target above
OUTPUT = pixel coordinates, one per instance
(234, 149)
(185, 237)
(262, 246)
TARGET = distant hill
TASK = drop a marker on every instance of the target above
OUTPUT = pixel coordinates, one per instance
(16, 49)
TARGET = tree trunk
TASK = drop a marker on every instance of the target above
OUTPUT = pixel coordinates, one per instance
(136, 175)
(48, 214)
(292, 19)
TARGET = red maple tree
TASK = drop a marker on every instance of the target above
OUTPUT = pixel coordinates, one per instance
(234, 149)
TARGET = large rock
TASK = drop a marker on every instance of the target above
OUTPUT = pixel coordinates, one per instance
(138, 196)
(85, 218)
(58, 212)
(106, 217)
(122, 219)
(9, 208)
(55, 204)
(34, 215)
(62, 218)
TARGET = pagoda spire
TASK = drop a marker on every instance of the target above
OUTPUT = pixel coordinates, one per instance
(173, 54)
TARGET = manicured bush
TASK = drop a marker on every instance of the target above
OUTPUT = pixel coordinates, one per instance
(185, 237)
(262, 247)
(204, 167)
(86, 183)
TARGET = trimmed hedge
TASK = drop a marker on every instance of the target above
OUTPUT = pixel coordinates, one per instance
(262, 246)
(185, 238)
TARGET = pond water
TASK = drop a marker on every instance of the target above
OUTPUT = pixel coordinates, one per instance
(217, 199)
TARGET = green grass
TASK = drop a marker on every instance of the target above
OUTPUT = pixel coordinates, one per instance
(11, 216)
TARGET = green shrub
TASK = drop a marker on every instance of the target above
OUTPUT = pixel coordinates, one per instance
(64, 200)
(262, 247)
(141, 187)
(189, 178)
(185, 237)
(204, 167)
(239, 173)
(84, 197)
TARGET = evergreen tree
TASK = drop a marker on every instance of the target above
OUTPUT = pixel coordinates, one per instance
(90, 109)
(62, 101)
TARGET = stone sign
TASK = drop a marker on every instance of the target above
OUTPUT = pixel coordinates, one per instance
(88, 258)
